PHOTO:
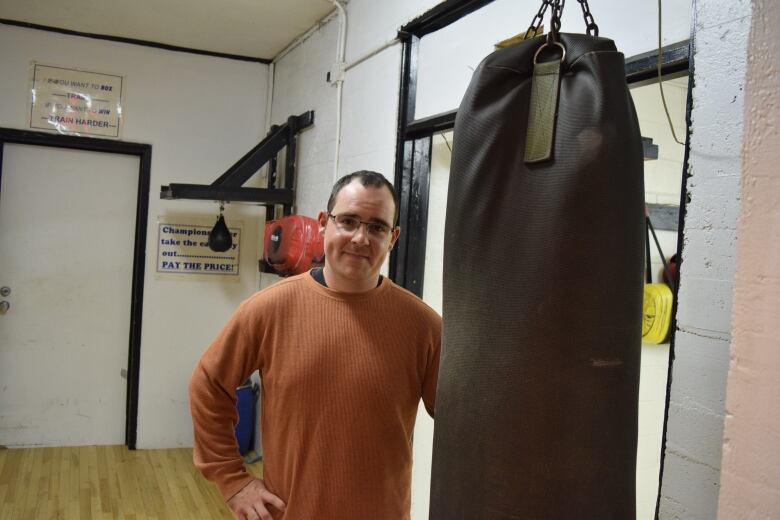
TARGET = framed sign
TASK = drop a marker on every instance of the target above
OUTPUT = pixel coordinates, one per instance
(76, 102)
(182, 248)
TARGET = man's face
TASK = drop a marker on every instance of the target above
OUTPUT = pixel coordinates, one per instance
(353, 259)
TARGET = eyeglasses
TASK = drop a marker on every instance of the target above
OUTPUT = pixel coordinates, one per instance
(349, 225)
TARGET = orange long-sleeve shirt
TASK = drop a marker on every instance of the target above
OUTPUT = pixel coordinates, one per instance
(342, 377)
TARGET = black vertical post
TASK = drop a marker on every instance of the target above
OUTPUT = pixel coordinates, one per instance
(289, 163)
(404, 152)
(270, 211)
(648, 268)
(404, 188)
(417, 221)
(137, 302)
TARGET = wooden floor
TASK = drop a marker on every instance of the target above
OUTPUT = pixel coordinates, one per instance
(106, 482)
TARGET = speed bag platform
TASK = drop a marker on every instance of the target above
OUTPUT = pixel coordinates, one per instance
(536, 407)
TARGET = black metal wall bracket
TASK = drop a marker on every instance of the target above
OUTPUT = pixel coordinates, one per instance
(229, 185)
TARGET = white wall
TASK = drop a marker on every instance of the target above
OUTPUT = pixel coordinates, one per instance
(369, 113)
(299, 85)
(696, 412)
(663, 175)
(200, 114)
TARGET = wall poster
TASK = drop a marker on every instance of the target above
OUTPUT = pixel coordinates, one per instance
(182, 248)
(76, 102)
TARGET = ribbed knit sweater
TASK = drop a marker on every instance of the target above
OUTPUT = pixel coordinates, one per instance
(342, 376)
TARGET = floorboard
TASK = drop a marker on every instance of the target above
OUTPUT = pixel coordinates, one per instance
(106, 482)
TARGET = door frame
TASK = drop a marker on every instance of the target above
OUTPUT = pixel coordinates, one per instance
(144, 154)
(413, 136)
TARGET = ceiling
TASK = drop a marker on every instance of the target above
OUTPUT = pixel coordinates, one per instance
(252, 28)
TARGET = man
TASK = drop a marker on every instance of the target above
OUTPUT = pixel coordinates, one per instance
(344, 356)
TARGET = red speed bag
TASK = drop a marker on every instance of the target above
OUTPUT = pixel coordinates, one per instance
(293, 245)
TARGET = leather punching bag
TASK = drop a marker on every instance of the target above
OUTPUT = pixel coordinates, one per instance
(536, 409)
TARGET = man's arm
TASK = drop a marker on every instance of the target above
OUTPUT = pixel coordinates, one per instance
(225, 365)
(215, 450)
(432, 368)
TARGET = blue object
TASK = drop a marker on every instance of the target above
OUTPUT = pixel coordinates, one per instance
(245, 406)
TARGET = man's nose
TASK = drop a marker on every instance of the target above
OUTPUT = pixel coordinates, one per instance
(360, 236)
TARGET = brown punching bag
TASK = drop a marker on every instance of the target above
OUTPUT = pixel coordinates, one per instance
(536, 408)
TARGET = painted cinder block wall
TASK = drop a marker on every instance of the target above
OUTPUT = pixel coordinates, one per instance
(750, 475)
(370, 98)
(691, 478)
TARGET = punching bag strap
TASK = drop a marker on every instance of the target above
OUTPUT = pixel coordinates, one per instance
(543, 105)
(545, 83)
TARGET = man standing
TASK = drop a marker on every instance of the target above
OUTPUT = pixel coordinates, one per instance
(344, 356)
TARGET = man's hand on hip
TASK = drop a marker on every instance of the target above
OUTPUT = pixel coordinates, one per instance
(254, 502)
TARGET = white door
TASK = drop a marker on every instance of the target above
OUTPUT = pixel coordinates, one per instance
(67, 227)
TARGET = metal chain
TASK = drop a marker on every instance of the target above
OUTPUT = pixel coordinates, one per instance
(591, 28)
(538, 19)
(555, 20)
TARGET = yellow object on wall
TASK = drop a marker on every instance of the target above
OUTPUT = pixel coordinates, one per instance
(656, 312)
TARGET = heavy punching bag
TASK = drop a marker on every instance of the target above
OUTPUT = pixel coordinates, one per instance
(536, 408)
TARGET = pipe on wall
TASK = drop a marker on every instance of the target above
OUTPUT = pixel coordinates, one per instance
(339, 82)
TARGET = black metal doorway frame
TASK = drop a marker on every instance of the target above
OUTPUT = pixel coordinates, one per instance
(413, 146)
(144, 154)
(413, 136)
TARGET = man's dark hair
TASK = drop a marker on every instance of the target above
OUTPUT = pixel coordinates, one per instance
(366, 178)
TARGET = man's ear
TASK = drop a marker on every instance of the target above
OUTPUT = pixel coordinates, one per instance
(394, 236)
(322, 219)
